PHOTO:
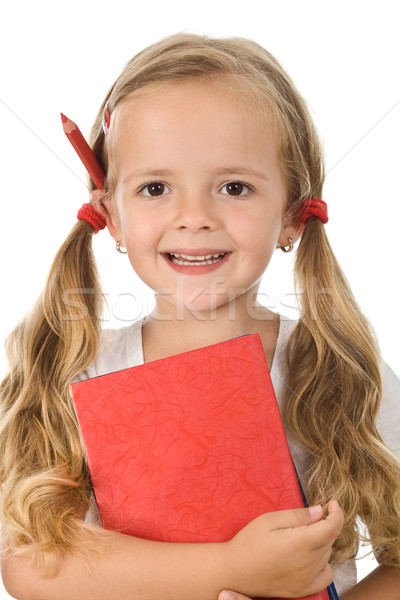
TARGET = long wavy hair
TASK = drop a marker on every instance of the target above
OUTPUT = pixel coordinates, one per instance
(333, 389)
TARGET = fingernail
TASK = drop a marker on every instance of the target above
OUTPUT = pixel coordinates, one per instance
(315, 510)
(226, 595)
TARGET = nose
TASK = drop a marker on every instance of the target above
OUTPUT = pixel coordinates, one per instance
(195, 210)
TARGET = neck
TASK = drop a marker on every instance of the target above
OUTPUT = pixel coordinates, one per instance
(168, 331)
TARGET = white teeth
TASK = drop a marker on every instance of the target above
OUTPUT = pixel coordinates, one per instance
(207, 259)
(196, 258)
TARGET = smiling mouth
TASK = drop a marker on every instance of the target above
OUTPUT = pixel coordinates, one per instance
(187, 260)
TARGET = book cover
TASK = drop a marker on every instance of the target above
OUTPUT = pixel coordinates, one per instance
(189, 448)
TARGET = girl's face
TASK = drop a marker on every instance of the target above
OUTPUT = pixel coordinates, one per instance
(199, 195)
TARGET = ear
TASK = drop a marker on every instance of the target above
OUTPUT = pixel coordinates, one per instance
(104, 205)
(290, 230)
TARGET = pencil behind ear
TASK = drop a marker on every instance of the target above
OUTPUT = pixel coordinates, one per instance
(84, 151)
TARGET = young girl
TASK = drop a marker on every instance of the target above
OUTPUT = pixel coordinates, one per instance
(212, 164)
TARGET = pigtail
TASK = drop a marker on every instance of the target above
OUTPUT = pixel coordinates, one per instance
(333, 394)
(44, 477)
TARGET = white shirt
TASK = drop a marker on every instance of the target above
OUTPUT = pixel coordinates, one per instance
(122, 348)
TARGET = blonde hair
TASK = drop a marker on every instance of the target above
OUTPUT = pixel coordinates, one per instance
(333, 389)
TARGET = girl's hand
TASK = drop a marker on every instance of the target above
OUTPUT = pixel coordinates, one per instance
(286, 553)
(229, 595)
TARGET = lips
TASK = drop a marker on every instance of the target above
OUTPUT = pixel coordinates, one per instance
(196, 261)
(196, 251)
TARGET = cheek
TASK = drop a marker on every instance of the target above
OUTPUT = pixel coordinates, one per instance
(140, 230)
(259, 233)
(260, 238)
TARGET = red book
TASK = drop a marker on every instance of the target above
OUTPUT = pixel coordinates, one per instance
(189, 448)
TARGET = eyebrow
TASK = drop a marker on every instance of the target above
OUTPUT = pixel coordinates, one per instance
(223, 171)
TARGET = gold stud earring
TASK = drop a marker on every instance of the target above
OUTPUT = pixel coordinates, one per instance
(118, 246)
(288, 248)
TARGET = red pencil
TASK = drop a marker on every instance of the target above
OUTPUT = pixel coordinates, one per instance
(84, 151)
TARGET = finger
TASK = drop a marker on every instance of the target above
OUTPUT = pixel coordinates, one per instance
(334, 511)
(295, 517)
(229, 595)
(327, 530)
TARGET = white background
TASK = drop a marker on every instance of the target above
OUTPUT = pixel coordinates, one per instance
(343, 56)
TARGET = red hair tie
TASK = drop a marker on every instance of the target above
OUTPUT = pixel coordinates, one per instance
(314, 208)
(88, 213)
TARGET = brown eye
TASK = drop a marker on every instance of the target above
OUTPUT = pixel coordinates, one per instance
(235, 188)
(154, 189)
